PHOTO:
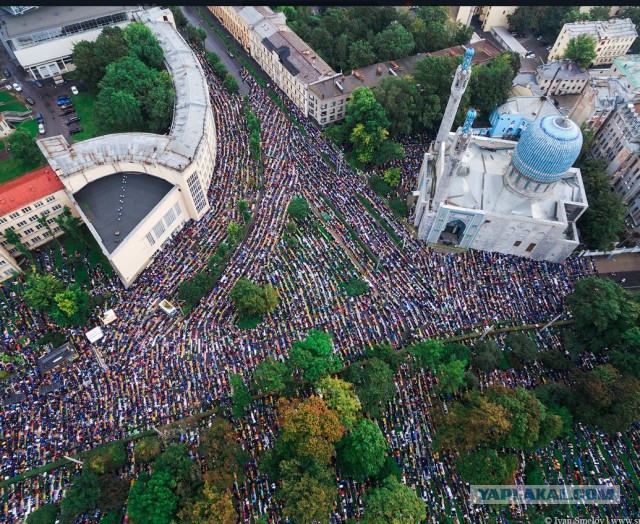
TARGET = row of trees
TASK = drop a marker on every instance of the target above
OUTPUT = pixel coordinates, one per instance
(221, 72)
(125, 68)
(354, 37)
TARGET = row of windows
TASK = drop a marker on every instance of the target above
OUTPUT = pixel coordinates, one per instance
(159, 229)
(196, 191)
(28, 209)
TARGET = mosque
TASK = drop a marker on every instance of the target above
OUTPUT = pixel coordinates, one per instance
(518, 198)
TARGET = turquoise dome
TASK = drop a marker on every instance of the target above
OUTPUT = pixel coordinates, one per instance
(547, 149)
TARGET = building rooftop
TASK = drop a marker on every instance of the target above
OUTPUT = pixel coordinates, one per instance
(175, 150)
(297, 57)
(53, 16)
(630, 68)
(28, 188)
(529, 107)
(483, 186)
(100, 201)
(565, 69)
(509, 40)
(372, 75)
(614, 28)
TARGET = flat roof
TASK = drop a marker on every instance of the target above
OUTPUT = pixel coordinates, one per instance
(56, 357)
(28, 188)
(630, 67)
(52, 16)
(372, 75)
(529, 106)
(509, 39)
(566, 70)
(614, 28)
(100, 201)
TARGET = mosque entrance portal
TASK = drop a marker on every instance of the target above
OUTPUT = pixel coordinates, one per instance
(452, 233)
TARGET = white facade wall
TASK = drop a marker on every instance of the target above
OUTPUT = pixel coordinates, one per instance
(491, 16)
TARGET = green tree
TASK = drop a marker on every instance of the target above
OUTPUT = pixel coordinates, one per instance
(393, 503)
(523, 349)
(81, 497)
(393, 43)
(582, 50)
(239, 395)
(314, 356)
(392, 176)
(361, 453)
(220, 70)
(223, 455)
(251, 300)
(212, 58)
(23, 146)
(487, 356)
(230, 84)
(92, 58)
(178, 16)
(604, 312)
(196, 36)
(151, 499)
(120, 112)
(374, 385)
(106, 458)
(309, 428)
(147, 449)
(361, 54)
(490, 84)
(602, 222)
(340, 397)
(451, 376)
(387, 354)
(184, 472)
(298, 209)
(309, 492)
(271, 376)
(144, 45)
(71, 307)
(400, 97)
(632, 12)
(213, 506)
(430, 354)
(526, 19)
(158, 104)
(487, 466)
(600, 12)
(45, 514)
(70, 225)
(41, 290)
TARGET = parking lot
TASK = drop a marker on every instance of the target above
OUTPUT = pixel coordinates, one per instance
(531, 44)
(45, 98)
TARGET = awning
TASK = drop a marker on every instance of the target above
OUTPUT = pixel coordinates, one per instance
(95, 334)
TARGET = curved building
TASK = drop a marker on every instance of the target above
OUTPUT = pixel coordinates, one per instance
(136, 190)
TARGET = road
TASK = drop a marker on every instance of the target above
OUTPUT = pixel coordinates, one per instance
(213, 43)
(45, 98)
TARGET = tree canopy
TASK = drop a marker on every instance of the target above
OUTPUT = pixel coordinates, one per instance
(340, 397)
(490, 84)
(314, 356)
(144, 45)
(298, 208)
(252, 300)
(23, 146)
(374, 385)
(361, 453)
(393, 503)
(582, 50)
(151, 499)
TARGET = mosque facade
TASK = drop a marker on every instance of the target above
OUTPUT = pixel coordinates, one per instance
(519, 198)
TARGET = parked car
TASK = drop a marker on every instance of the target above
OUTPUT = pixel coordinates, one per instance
(530, 54)
(30, 101)
(63, 97)
(67, 112)
(73, 120)
(229, 53)
(66, 105)
(17, 86)
(63, 101)
(548, 48)
(41, 129)
(39, 118)
(75, 130)
(38, 84)
(6, 72)
(74, 90)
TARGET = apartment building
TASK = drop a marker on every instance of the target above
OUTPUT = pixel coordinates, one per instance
(283, 55)
(561, 78)
(613, 39)
(618, 142)
(328, 98)
(41, 40)
(22, 201)
(495, 15)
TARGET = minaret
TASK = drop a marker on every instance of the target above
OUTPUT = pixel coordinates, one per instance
(459, 145)
(460, 81)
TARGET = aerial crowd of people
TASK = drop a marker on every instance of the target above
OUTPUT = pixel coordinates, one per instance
(162, 368)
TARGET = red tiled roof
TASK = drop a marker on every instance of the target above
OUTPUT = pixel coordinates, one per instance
(28, 188)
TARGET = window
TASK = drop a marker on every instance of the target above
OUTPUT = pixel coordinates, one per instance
(50, 198)
(33, 218)
(159, 229)
(177, 209)
(56, 207)
(530, 248)
(37, 238)
(196, 192)
(517, 243)
(28, 231)
(26, 209)
(3, 220)
(169, 217)
(150, 239)
(21, 223)
(56, 229)
(14, 215)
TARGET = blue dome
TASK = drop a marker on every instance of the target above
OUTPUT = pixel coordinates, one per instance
(547, 149)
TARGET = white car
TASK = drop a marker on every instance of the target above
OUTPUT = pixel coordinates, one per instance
(41, 129)
(17, 86)
(74, 90)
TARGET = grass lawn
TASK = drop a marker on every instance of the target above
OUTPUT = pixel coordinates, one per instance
(14, 106)
(29, 125)
(13, 167)
(6, 97)
(83, 103)
(2, 146)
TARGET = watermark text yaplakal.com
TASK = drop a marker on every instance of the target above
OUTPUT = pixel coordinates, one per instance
(559, 494)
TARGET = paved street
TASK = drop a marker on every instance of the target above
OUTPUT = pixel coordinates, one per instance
(621, 267)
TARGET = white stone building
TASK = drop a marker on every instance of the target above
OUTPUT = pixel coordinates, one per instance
(136, 190)
(561, 78)
(613, 39)
(495, 15)
(41, 40)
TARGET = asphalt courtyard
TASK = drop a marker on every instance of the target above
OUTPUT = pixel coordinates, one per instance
(624, 269)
